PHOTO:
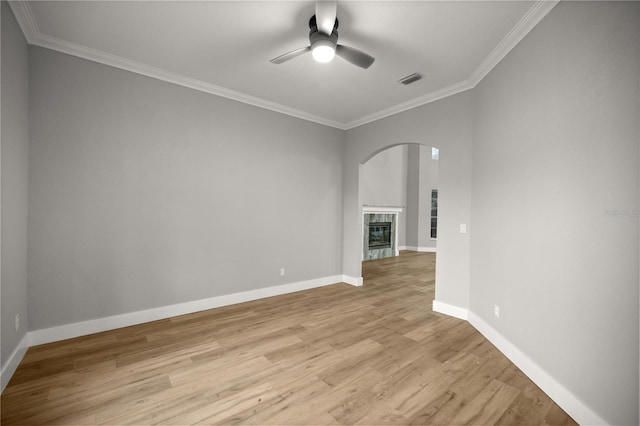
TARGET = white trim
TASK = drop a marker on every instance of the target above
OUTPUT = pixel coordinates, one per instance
(24, 16)
(28, 24)
(419, 249)
(357, 282)
(192, 83)
(26, 20)
(67, 331)
(381, 209)
(534, 15)
(413, 103)
(13, 362)
(452, 311)
(556, 391)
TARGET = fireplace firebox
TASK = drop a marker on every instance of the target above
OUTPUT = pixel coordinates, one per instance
(379, 235)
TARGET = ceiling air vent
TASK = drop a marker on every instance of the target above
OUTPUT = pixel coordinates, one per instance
(410, 79)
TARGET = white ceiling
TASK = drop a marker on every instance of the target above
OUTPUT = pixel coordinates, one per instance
(224, 48)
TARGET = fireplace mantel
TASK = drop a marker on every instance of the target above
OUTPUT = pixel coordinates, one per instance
(382, 209)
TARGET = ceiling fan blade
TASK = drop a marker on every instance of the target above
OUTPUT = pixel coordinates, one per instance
(325, 16)
(355, 56)
(290, 55)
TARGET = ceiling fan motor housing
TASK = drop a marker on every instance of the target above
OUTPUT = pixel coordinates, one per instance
(313, 24)
(316, 36)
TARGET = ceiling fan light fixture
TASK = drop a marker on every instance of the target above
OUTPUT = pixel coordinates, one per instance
(323, 51)
(323, 40)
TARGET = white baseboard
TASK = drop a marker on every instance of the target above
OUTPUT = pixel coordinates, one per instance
(14, 360)
(572, 405)
(561, 395)
(67, 331)
(453, 311)
(352, 280)
(418, 249)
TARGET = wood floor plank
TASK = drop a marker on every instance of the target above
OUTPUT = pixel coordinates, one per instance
(433, 382)
(303, 391)
(527, 408)
(468, 382)
(488, 406)
(338, 354)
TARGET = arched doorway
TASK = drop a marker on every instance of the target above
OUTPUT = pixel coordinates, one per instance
(448, 125)
(398, 189)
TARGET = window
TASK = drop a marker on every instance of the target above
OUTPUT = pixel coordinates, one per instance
(435, 153)
(434, 213)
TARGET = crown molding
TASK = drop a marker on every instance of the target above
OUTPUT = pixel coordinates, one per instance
(413, 103)
(26, 20)
(534, 15)
(192, 83)
(28, 24)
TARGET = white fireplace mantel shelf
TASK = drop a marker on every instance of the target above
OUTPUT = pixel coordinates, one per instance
(382, 209)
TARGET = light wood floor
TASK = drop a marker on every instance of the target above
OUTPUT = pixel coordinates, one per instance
(334, 355)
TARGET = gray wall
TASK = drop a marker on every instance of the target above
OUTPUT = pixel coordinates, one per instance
(145, 194)
(383, 182)
(555, 199)
(447, 124)
(14, 153)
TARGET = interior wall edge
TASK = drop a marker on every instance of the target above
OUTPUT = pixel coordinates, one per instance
(14, 153)
(14, 361)
(354, 281)
(451, 310)
(555, 390)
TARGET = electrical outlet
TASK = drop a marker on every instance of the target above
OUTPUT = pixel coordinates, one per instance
(282, 272)
(496, 310)
(17, 321)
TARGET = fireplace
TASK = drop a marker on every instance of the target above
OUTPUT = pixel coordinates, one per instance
(379, 235)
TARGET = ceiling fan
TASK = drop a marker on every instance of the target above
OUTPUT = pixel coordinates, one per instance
(323, 40)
